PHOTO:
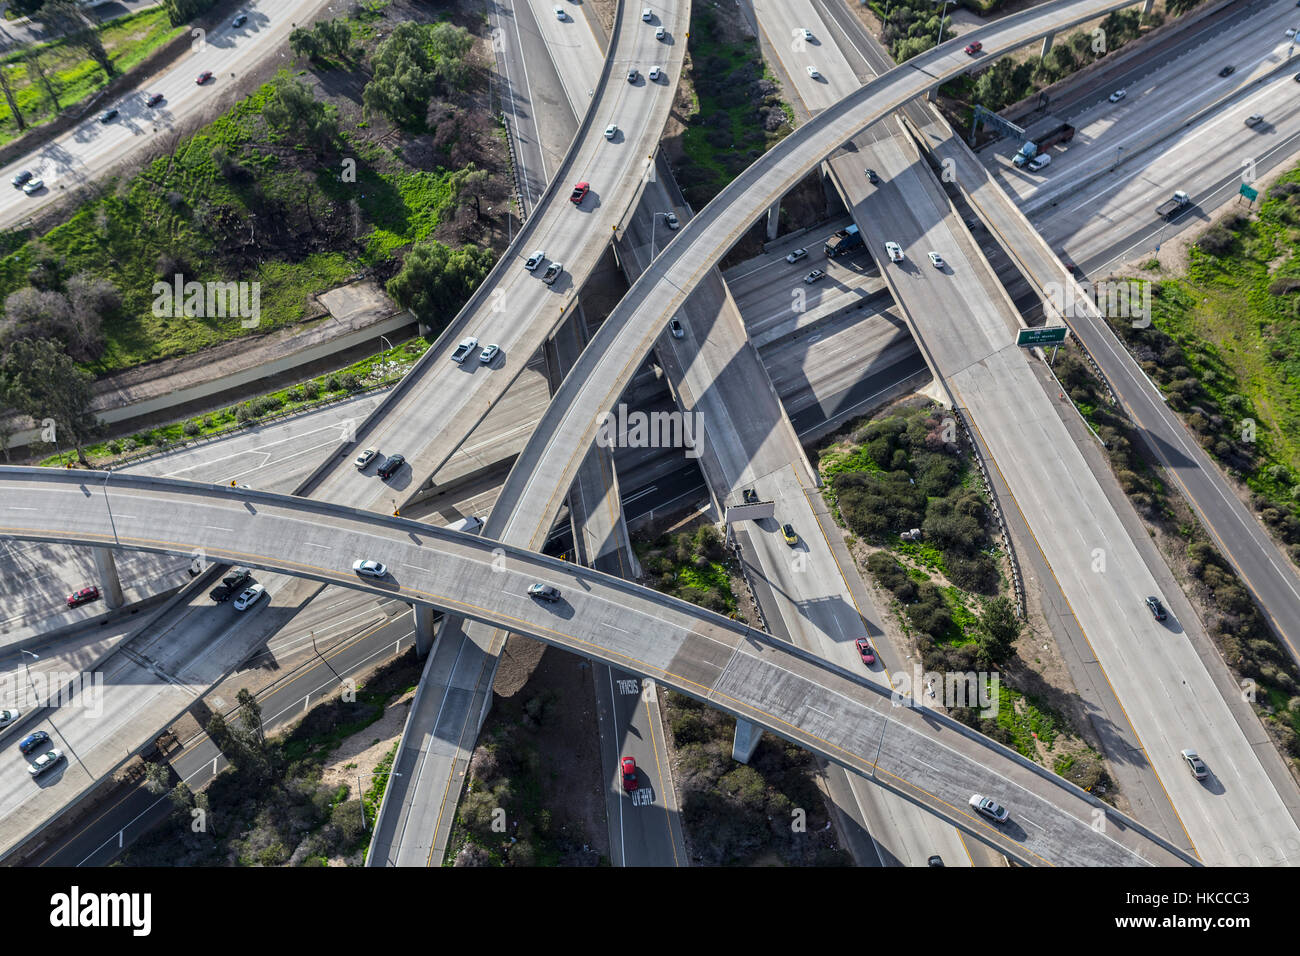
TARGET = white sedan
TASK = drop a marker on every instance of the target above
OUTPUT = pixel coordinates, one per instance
(1118, 95)
(250, 596)
(369, 569)
(7, 717)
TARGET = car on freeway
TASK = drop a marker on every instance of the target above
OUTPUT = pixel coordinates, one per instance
(44, 762)
(553, 272)
(974, 47)
(1254, 119)
(1228, 71)
(488, 354)
(544, 592)
(535, 260)
(1297, 77)
(579, 193)
(655, 73)
(807, 34)
(203, 77)
(154, 99)
(872, 177)
(813, 276)
(389, 468)
(990, 809)
(1290, 31)
(34, 186)
(670, 220)
(32, 741)
(7, 717)
(237, 576)
(797, 255)
(108, 116)
(1117, 95)
(632, 75)
(559, 13)
(369, 569)
(629, 773)
(611, 131)
(84, 596)
(864, 650)
(895, 251)
(646, 15)
(21, 178)
(239, 21)
(1156, 608)
(788, 532)
(812, 71)
(365, 458)
(935, 860)
(675, 327)
(249, 596)
(661, 34)
(1039, 161)
(1196, 765)
(1067, 261)
(936, 260)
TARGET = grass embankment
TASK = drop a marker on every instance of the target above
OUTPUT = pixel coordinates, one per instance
(737, 113)
(269, 808)
(74, 76)
(692, 566)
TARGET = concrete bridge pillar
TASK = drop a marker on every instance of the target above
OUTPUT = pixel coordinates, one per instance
(1146, 7)
(1047, 43)
(746, 741)
(424, 635)
(109, 583)
(773, 220)
(933, 94)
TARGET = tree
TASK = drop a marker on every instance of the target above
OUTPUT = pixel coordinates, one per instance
(36, 73)
(999, 627)
(182, 11)
(436, 280)
(305, 43)
(24, 8)
(45, 383)
(411, 66)
(468, 183)
(65, 18)
(219, 731)
(250, 715)
(9, 98)
(157, 777)
(292, 108)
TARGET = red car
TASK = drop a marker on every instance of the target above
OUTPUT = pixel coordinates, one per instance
(203, 77)
(579, 193)
(84, 596)
(864, 651)
(154, 99)
(974, 47)
(629, 773)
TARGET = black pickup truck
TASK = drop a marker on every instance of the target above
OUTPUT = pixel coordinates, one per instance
(230, 585)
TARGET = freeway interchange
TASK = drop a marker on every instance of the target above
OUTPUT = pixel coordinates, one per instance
(792, 690)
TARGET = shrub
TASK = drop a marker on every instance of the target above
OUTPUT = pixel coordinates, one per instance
(191, 428)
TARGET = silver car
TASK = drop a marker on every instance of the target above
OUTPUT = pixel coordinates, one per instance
(369, 569)
(44, 762)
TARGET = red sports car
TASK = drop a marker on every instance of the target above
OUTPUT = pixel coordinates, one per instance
(84, 596)
(864, 651)
(579, 193)
(203, 77)
(974, 47)
(629, 773)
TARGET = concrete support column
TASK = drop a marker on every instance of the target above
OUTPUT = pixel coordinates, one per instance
(1146, 7)
(109, 583)
(1047, 43)
(933, 94)
(423, 615)
(746, 741)
(773, 220)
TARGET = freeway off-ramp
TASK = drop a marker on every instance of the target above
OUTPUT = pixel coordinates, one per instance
(927, 757)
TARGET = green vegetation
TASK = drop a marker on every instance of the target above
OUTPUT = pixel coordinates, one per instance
(269, 807)
(764, 812)
(42, 80)
(690, 566)
(738, 114)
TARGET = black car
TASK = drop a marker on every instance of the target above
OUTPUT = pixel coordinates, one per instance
(32, 741)
(154, 99)
(21, 178)
(389, 468)
(872, 177)
(1157, 609)
(239, 21)
(108, 116)
(1227, 71)
(544, 592)
(237, 577)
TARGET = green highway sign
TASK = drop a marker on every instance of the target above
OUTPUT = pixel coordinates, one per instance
(1248, 192)
(1045, 336)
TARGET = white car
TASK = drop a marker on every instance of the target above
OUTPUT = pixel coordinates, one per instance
(1290, 31)
(34, 186)
(1118, 95)
(488, 354)
(1254, 119)
(796, 255)
(7, 717)
(989, 808)
(655, 73)
(895, 251)
(369, 569)
(936, 260)
(661, 34)
(670, 220)
(807, 34)
(559, 13)
(611, 131)
(365, 458)
(534, 260)
(249, 596)
(646, 15)
(1039, 161)
(812, 71)
(44, 762)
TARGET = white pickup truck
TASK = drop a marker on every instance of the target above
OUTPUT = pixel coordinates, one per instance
(463, 350)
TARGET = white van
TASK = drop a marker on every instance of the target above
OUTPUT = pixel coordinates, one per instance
(470, 525)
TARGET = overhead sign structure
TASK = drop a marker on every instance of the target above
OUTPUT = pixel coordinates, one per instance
(1053, 335)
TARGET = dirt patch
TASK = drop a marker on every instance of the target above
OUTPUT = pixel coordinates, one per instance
(360, 754)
